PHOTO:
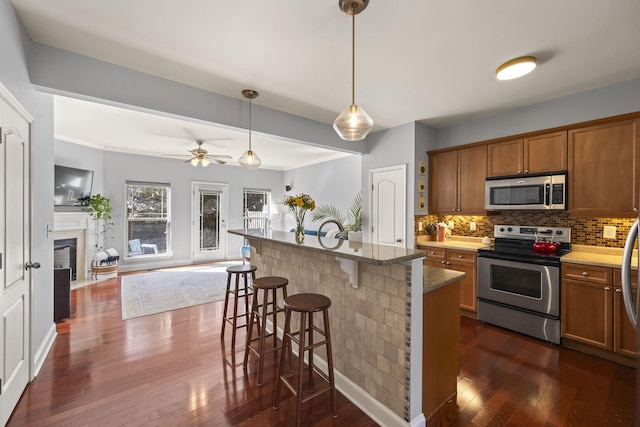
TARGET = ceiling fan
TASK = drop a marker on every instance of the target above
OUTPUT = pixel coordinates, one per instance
(202, 156)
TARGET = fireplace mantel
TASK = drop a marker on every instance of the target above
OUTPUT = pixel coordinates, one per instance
(76, 225)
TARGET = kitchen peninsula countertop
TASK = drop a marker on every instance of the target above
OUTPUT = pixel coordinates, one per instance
(435, 278)
(357, 251)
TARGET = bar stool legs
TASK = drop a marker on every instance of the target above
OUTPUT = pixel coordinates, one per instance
(237, 292)
(266, 285)
(306, 305)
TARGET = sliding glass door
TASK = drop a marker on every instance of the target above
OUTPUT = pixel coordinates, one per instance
(209, 221)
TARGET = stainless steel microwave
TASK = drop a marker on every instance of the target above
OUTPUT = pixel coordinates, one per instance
(531, 192)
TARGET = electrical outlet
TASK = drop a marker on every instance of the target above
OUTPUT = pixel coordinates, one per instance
(451, 224)
(472, 226)
(609, 232)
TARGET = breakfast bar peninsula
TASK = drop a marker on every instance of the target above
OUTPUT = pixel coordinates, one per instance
(376, 314)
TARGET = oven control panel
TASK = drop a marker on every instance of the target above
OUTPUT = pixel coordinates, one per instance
(528, 232)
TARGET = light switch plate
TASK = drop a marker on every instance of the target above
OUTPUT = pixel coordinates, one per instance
(609, 232)
(450, 225)
(472, 226)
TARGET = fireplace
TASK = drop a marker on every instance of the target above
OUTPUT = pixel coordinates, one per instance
(65, 255)
(76, 226)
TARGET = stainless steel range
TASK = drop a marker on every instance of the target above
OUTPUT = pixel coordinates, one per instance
(519, 286)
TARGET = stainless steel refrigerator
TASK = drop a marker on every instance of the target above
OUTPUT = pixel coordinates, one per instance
(632, 307)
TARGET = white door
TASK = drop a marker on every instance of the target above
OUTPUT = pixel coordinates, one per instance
(209, 221)
(15, 249)
(388, 205)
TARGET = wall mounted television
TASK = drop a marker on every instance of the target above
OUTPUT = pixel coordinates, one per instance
(72, 186)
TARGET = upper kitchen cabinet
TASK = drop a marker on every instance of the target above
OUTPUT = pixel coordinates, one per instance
(534, 154)
(603, 169)
(456, 181)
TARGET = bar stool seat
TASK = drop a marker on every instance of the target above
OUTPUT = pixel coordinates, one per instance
(264, 284)
(306, 305)
(238, 293)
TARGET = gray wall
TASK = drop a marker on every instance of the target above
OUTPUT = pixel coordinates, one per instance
(81, 157)
(606, 101)
(330, 183)
(15, 51)
(120, 168)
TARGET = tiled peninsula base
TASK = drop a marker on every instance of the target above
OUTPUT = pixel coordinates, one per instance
(370, 326)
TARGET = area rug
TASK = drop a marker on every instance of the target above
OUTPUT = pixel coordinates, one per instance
(172, 289)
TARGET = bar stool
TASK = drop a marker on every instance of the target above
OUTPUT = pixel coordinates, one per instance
(306, 305)
(264, 284)
(237, 292)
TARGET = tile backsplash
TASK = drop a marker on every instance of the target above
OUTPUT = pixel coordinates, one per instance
(584, 231)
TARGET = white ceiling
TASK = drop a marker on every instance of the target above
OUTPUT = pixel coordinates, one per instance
(416, 60)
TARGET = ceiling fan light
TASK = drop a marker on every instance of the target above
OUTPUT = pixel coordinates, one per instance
(517, 67)
(249, 160)
(194, 162)
(205, 162)
(353, 124)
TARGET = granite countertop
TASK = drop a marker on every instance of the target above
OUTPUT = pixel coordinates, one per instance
(357, 251)
(597, 255)
(456, 242)
(435, 278)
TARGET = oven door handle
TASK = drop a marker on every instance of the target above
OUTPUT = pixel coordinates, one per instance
(627, 294)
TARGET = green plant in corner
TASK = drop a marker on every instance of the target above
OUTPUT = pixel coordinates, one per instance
(99, 209)
(352, 221)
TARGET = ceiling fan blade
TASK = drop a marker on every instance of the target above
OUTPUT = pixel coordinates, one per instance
(219, 161)
(220, 156)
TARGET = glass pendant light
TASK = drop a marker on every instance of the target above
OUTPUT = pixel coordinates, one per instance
(353, 124)
(249, 160)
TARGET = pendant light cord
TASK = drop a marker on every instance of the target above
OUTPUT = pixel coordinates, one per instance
(353, 59)
(250, 124)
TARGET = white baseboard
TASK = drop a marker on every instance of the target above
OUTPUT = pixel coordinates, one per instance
(378, 412)
(43, 350)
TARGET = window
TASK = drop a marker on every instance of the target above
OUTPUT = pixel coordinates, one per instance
(256, 208)
(148, 219)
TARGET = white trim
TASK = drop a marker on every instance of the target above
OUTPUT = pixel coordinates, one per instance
(14, 103)
(42, 351)
(378, 412)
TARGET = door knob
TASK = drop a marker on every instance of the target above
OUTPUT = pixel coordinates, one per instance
(398, 240)
(29, 265)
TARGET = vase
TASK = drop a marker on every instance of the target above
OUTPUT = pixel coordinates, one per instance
(299, 234)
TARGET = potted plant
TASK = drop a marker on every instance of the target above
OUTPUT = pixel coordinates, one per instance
(99, 209)
(352, 221)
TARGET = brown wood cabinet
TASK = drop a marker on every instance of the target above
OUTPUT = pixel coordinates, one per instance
(534, 154)
(456, 181)
(624, 335)
(604, 169)
(587, 305)
(593, 313)
(440, 346)
(458, 260)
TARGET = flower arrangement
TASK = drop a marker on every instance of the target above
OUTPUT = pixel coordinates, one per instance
(299, 205)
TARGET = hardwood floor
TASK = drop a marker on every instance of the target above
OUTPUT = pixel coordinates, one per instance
(170, 369)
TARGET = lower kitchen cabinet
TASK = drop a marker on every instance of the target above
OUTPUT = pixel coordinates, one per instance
(624, 335)
(458, 260)
(592, 313)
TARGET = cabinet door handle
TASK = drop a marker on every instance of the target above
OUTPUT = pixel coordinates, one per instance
(585, 274)
(635, 209)
(442, 262)
(448, 263)
(618, 290)
(606, 288)
(432, 253)
(526, 171)
(460, 256)
(519, 171)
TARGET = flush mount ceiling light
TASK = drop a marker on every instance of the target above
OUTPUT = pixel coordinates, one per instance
(249, 160)
(516, 68)
(353, 124)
